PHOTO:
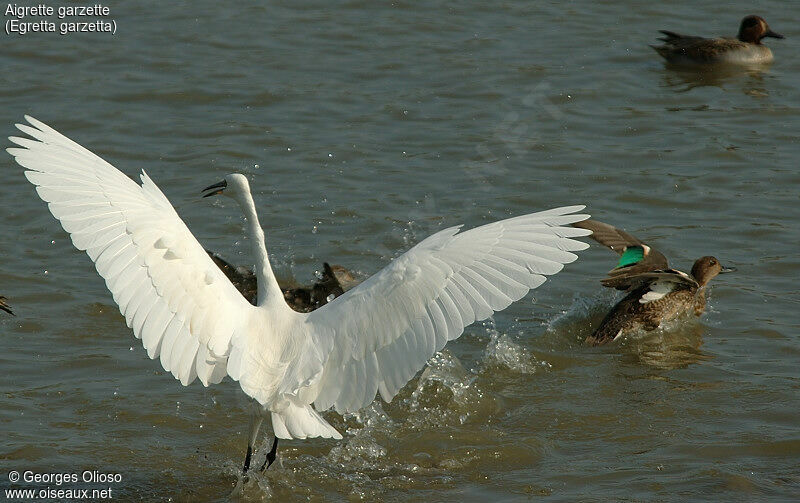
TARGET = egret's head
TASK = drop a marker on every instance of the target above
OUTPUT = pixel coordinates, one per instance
(232, 186)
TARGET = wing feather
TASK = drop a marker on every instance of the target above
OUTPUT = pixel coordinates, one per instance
(624, 277)
(383, 331)
(158, 274)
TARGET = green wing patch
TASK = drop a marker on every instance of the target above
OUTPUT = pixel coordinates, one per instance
(630, 256)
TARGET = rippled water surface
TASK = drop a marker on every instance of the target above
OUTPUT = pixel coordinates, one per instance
(364, 128)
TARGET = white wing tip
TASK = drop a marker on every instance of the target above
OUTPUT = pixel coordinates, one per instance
(33, 123)
(21, 125)
(33, 120)
(580, 247)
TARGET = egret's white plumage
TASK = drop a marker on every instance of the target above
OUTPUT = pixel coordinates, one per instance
(372, 339)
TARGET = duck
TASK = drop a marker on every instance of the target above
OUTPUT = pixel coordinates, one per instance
(4, 305)
(335, 280)
(332, 284)
(656, 293)
(746, 48)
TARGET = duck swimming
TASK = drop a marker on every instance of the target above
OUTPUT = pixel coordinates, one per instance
(746, 48)
(335, 281)
(656, 293)
(4, 306)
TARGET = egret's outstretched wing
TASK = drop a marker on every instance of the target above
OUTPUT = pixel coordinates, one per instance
(382, 332)
(636, 257)
(172, 295)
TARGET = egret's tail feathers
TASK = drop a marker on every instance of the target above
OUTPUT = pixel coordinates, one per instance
(301, 421)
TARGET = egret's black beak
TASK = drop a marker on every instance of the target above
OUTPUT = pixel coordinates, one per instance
(772, 34)
(215, 189)
(727, 269)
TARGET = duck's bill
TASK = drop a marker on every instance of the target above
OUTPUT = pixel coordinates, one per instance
(727, 269)
(213, 190)
(773, 34)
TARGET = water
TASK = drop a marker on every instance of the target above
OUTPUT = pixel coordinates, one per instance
(366, 127)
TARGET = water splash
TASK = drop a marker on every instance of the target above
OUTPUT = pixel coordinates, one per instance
(445, 392)
(503, 351)
(362, 443)
(578, 321)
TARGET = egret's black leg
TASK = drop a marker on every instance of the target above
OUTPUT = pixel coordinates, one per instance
(247, 459)
(256, 417)
(270, 455)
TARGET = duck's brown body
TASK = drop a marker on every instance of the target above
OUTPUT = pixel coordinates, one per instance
(746, 48)
(630, 314)
(335, 281)
(656, 293)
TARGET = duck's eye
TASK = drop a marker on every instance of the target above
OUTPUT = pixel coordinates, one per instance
(751, 22)
(712, 262)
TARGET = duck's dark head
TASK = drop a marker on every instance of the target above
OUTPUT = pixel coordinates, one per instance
(754, 28)
(707, 268)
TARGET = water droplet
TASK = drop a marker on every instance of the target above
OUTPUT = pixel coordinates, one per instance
(330, 154)
(314, 230)
(330, 297)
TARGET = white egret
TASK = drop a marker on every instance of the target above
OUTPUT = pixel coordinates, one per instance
(373, 339)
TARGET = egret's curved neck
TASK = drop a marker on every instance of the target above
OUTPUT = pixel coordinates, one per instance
(268, 289)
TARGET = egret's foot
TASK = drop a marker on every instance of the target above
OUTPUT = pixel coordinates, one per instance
(270, 455)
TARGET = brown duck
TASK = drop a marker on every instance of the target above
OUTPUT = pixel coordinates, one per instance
(335, 281)
(656, 293)
(746, 48)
